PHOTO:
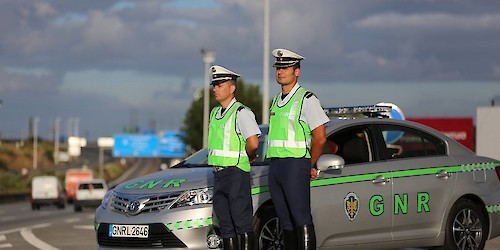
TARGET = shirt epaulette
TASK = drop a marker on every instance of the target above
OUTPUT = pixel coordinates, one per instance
(309, 94)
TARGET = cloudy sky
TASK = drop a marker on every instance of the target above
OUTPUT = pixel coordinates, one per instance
(101, 66)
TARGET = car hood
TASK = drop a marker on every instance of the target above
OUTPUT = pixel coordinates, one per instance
(170, 180)
(181, 179)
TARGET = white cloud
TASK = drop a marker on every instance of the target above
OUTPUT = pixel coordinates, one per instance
(104, 29)
(44, 9)
(430, 21)
(147, 53)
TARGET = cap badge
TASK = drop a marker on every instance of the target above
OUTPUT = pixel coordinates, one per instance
(280, 53)
(213, 70)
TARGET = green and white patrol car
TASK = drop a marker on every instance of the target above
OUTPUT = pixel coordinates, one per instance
(383, 183)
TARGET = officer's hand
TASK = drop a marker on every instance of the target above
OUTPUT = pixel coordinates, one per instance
(314, 173)
(252, 159)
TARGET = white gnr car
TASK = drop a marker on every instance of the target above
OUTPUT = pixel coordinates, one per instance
(384, 183)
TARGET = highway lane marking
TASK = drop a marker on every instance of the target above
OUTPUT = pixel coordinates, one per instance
(6, 245)
(34, 241)
(71, 220)
(20, 228)
(29, 237)
(7, 218)
(84, 227)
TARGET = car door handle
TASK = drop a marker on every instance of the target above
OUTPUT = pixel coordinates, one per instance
(443, 174)
(381, 180)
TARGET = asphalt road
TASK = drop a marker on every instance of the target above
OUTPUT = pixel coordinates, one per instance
(56, 229)
(53, 229)
(46, 229)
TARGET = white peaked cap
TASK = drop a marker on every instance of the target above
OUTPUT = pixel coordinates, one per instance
(286, 58)
(221, 74)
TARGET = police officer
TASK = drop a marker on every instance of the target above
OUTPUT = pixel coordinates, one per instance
(295, 142)
(232, 145)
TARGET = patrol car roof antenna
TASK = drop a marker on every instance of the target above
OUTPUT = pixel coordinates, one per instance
(358, 111)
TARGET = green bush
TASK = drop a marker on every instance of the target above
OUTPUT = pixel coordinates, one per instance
(49, 154)
(11, 183)
(3, 165)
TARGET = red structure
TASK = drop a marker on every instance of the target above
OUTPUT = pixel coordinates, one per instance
(460, 129)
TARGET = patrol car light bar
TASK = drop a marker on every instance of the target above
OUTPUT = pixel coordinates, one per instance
(368, 111)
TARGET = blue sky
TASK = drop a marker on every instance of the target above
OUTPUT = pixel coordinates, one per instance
(113, 63)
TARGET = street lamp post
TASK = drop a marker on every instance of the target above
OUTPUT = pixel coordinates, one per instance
(56, 140)
(35, 143)
(265, 77)
(1, 102)
(208, 59)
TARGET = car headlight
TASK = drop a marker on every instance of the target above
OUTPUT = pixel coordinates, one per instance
(194, 197)
(107, 197)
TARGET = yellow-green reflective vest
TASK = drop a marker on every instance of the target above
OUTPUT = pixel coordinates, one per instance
(226, 147)
(288, 136)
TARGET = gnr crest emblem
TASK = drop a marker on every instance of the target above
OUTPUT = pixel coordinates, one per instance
(351, 205)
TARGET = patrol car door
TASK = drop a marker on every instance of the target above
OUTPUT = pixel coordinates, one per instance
(349, 204)
(421, 187)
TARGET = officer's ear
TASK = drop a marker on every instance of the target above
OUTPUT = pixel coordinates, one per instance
(296, 72)
(232, 88)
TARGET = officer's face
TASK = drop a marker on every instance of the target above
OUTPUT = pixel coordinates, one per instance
(223, 91)
(286, 76)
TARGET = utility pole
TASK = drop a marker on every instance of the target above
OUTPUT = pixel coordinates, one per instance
(208, 59)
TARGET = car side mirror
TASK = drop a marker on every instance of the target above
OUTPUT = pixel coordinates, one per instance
(329, 162)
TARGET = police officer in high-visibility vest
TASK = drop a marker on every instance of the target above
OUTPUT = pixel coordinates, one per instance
(232, 145)
(295, 142)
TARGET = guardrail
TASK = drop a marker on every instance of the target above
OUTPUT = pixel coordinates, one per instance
(9, 198)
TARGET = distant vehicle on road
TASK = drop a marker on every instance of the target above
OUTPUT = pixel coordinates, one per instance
(90, 193)
(47, 191)
(73, 177)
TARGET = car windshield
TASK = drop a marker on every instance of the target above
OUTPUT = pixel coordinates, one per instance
(199, 159)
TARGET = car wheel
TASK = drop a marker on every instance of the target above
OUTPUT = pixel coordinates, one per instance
(267, 228)
(466, 227)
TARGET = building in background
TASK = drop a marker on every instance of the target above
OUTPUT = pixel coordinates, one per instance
(488, 131)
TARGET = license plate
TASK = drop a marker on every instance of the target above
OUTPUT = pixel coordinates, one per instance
(135, 231)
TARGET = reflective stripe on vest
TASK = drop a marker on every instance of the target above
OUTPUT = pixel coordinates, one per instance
(288, 136)
(225, 146)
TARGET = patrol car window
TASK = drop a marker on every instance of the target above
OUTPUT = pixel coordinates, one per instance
(402, 142)
(353, 145)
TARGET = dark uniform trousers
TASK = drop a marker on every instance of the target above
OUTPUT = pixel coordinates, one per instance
(289, 180)
(233, 202)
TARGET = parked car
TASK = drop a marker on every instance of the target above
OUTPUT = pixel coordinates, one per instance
(47, 191)
(90, 193)
(383, 183)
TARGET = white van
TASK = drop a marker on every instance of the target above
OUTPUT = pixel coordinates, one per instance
(46, 191)
(90, 193)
